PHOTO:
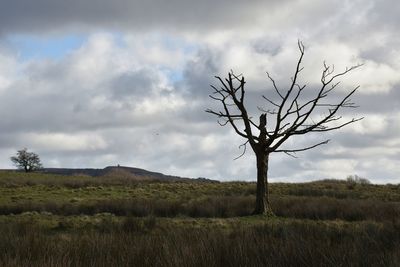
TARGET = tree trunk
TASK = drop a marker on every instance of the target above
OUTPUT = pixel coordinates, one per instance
(262, 197)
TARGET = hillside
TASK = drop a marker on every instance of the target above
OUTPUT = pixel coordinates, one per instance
(120, 171)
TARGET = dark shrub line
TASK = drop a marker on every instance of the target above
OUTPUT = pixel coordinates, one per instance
(322, 208)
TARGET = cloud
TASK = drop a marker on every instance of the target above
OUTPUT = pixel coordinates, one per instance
(65, 142)
(135, 89)
(8, 70)
(42, 15)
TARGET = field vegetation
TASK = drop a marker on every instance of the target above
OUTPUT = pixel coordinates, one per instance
(54, 220)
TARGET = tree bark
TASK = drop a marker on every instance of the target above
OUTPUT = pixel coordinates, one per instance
(262, 198)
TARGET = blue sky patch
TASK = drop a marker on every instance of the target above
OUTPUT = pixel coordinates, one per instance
(53, 47)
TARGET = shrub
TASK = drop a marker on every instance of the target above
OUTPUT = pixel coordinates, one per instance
(355, 179)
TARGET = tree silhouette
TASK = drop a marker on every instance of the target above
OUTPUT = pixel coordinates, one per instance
(27, 161)
(291, 116)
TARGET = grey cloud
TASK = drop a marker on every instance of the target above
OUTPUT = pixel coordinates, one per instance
(66, 107)
(199, 73)
(385, 13)
(385, 103)
(138, 84)
(25, 16)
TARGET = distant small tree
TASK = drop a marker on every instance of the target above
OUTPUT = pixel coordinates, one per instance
(27, 161)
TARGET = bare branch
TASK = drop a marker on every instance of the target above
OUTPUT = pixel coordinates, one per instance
(223, 123)
(244, 145)
(327, 129)
(228, 92)
(291, 154)
(279, 117)
(270, 101)
(291, 116)
(302, 149)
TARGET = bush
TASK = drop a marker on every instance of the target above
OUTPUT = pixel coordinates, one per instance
(355, 179)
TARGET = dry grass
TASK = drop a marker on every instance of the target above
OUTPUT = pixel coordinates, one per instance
(145, 243)
(315, 208)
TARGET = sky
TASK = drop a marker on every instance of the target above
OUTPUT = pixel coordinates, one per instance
(88, 84)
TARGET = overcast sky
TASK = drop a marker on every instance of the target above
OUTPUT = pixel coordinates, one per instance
(95, 83)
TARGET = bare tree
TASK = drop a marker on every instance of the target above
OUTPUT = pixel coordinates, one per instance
(292, 114)
(27, 161)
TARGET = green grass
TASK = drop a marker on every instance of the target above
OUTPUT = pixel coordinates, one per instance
(15, 186)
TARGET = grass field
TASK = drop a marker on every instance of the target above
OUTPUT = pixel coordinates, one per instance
(51, 220)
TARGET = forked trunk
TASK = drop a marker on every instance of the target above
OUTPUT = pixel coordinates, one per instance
(262, 198)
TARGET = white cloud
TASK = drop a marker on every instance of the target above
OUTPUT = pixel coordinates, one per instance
(66, 142)
(375, 78)
(337, 167)
(8, 70)
(372, 124)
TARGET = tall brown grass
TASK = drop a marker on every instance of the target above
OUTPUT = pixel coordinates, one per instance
(144, 243)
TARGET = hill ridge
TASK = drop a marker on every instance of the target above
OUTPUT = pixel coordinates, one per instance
(131, 172)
